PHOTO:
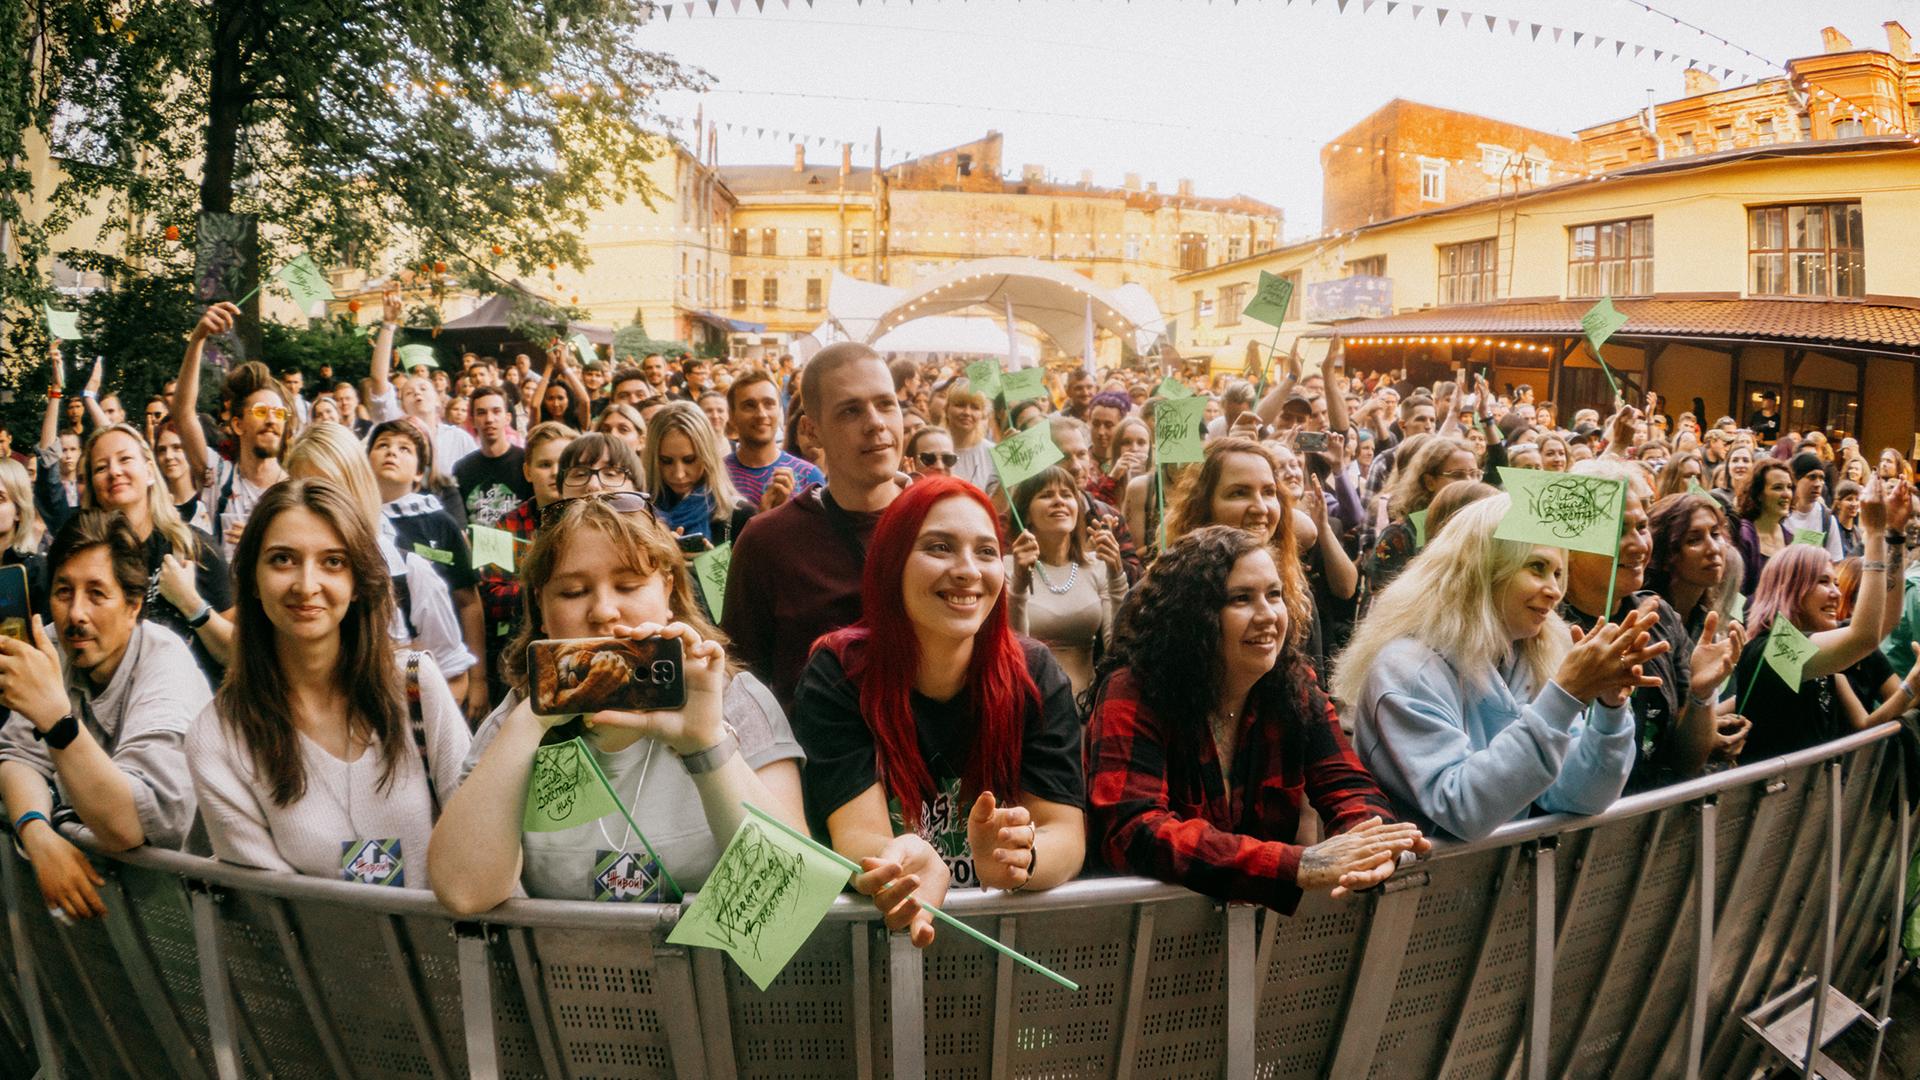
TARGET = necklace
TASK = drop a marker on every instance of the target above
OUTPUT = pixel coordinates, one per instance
(326, 785)
(627, 836)
(1073, 574)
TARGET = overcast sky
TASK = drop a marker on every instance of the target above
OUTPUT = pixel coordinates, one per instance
(1236, 96)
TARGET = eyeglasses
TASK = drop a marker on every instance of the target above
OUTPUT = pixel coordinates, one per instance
(620, 502)
(610, 475)
(268, 412)
(928, 459)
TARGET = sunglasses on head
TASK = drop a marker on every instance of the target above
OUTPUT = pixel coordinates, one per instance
(620, 502)
(929, 459)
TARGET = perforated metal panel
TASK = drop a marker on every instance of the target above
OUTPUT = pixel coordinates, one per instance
(801, 1027)
(164, 919)
(1183, 1013)
(1489, 1012)
(1055, 1033)
(1312, 965)
(266, 1000)
(364, 996)
(1438, 967)
(604, 999)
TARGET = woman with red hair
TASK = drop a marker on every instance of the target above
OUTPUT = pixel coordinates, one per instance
(1799, 585)
(940, 746)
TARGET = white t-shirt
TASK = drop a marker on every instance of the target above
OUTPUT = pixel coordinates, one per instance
(450, 443)
(436, 625)
(344, 802)
(1819, 519)
(242, 494)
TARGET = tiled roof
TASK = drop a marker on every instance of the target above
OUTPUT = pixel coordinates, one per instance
(1891, 325)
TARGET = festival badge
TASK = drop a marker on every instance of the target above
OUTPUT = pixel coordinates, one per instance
(626, 876)
(373, 862)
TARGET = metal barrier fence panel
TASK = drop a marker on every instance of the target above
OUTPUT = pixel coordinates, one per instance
(1625, 945)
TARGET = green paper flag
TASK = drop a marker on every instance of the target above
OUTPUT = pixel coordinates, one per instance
(566, 789)
(710, 568)
(1694, 488)
(762, 900)
(1270, 299)
(984, 376)
(1810, 537)
(413, 356)
(1600, 322)
(1024, 385)
(492, 547)
(433, 554)
(1171, 387)
(1178, 433)
(1581, 513)
(1788, 651)
(306, 281)
(63, 325)
(584, 348)
(1024, 455)
(1418, 519)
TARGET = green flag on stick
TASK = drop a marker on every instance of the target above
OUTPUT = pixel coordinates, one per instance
(1600, 322)
(1810, 537)
(1024, 385)
(62, 325)
(984, 376)
(1787, 653)
(1179, 432)
(1418, 519)
(492, 547)
(1270, 299)
(306, 281)
(1171, 387)
(1581, 513)
(413, 356)
(762, 900)
(1021, 457)
(565, 789)
(710, 568)
(584, 348)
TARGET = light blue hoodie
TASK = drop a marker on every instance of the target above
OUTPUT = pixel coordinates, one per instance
(1470, 760)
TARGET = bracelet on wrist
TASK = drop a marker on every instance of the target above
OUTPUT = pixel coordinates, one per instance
(20, 823)
(711, 758)
(1868, 566)
(199, 618)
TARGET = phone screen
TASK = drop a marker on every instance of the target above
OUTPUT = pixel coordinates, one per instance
(587, 675)
(14, 609)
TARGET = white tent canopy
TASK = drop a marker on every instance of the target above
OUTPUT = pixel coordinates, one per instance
(971, 335)
(1066, 306)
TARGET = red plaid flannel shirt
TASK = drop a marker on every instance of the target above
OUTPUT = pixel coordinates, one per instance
(1158, 805)
(499, 590)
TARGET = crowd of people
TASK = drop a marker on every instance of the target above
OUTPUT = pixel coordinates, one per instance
(263, 635)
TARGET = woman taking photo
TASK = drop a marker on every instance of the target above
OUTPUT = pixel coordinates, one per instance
(1760, 530)
(1207, 729)
(1066, 573)
(930, 704)
(692, 491)
(1471, 696)
(188, 591)
(312, 757)
(603, 567)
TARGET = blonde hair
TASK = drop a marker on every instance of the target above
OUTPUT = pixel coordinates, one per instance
(1408, 493)
(548, 431)
(686, 418)
(1448, 600)
(160, 508)
(26, 518)
(329, 451)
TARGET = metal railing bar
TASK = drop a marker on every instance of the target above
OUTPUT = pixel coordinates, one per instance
(860, 939)
(24, 961)
(1243, 997)
(1003, 1017)
(715, 1010)
(1897, 863)
(533, 991)
(1138, 963)
(136, 963)
(294, 956)
(674, 998)
(1383, 953)
(102, 1018)
(476, 1000)
(907, 1010)
(406, 977)
(1540, 1004)
(1650, 848)
(1831, 912)
(1705, 872)
(216, 993)
(1498, 889)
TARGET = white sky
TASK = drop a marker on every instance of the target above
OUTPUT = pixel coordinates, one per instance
(1238, 96)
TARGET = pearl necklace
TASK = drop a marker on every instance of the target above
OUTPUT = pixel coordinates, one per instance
(1073, 574)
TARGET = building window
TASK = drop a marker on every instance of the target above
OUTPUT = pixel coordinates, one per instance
(816, 243)
(1612, 258)
(1232, 299)
(1763, 131)
(70, 280)
(1539, 173)
(1433, 180)
(1684, 147)
(1466, 272)
(1236, 248)
(1723, 137)
(770, 292)
(1806, 126)
(1493, 159)
(857, 242)
(1193, 251)
(815, 292)
(769, 242)
(739, 294)
(738, 244)
(1850, 128)
(1815, 249)
(1836, 412)
(1131, 250)
(1371, 266)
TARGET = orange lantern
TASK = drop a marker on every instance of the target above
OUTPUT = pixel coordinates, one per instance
(173, 232)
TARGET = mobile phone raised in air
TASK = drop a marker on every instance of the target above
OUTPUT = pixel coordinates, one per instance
(1310, 442)
(14, 609)
(585, 675)
(694, 545)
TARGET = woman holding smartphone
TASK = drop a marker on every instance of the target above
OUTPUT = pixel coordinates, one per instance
(692, 491)
(1067, 576)
(601, 566)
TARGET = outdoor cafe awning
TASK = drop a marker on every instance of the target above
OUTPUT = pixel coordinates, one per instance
(726, 325)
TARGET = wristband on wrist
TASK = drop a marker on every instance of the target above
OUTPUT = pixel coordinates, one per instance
(89, 395)
(706, 761)
(199, 618)
(61, 734)
(20, 823)
(1868, 566)
(1704, 702)
(54, 395)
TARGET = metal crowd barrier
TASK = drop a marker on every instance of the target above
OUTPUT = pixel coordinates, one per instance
(1623, 945)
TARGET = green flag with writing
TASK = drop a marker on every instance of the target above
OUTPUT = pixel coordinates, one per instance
(566, 789)
(413, 356)
(492, 547)
(1179, 432)
(1270, 299)
(307, 282)
(1171, 387)
(63, 325)
(1580, 513)
(710, 568)
(1811, 537)
(1024, 385)
(1024, 455)
(1600, 322)
(984, 377)
(763, 900)
(1788, 651)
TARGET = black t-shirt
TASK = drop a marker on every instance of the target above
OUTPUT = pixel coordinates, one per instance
(842, 762)
(434, 536)
(1868, 676)
(492, 486)
(1784, 720)
(1765, 428)
(210, 578)
(1656, 709)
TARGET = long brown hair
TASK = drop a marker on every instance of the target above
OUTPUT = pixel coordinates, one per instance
(254, 700)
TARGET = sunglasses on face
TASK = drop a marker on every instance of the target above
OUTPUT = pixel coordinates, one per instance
(928, 459)
(268, 412)
(620, 502)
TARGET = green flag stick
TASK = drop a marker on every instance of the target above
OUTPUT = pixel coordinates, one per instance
(256, 288)
(854, 868)
(1272, 351)
(628, 814)
(1160, 499)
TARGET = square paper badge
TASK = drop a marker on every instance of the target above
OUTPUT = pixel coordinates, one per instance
(627, 877)
(373, 862)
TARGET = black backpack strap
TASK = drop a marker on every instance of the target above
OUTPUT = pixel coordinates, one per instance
(419, 725)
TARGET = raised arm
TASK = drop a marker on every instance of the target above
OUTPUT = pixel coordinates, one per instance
(91, 396)
(50, 419)
(1337, 419)
(381, 368)
(219, 319)
(1838, 649)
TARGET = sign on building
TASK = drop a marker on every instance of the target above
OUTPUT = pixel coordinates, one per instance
(1357, 297)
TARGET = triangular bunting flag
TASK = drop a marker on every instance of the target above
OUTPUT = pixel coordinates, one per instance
(1513, 26)
(1657, 54)
(713, 7)
(736, 7)
(1417, 9)
(1342, 3)
(1535, 27)
(1391, 4)
(1617, 46)
(1577, 35)
(1637, 50)
(1490, 21)
(668, 10)
(1556, 34)
(1443, 13)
